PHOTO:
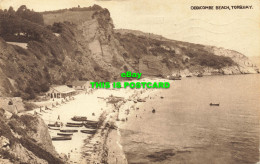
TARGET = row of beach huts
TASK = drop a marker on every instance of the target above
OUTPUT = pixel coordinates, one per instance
(62, 91)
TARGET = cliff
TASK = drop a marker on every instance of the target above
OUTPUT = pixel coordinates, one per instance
(82, 44)
(25, 139)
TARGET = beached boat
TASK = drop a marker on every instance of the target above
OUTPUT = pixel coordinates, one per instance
(61, 138)
(65, 134)
(71, 125)
(140, 100)
(79, 118)
(54, 125)
(53, 128)
(211, 104)
(90, 126)
(88, 131)
(74, 123)
(69, 130)
(91, 122)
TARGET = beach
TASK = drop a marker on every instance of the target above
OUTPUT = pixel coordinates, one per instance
(110, 107)
(183, 127)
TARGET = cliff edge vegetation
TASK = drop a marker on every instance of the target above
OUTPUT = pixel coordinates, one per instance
(57, 47)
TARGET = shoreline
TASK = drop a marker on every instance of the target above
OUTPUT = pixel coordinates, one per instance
(105, 144)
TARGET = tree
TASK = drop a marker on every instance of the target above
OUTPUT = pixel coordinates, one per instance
(11, 11)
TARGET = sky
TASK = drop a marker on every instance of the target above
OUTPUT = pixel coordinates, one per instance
(232, 29)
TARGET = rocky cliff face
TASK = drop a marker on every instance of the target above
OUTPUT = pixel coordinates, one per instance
(81, 44)
(191, 59)
(244, 65)
(25, 139)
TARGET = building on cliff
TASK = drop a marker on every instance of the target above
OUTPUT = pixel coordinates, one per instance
(61, 91)
(80, 85)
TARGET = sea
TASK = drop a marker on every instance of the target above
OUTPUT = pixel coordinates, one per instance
(185, 129)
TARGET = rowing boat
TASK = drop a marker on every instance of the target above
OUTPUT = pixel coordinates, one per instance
(69, 130)
(65, 134)
(61, 138)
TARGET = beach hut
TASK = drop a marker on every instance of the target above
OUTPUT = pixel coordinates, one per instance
(61, 91)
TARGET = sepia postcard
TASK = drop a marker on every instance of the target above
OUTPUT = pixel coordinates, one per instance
(129, 81)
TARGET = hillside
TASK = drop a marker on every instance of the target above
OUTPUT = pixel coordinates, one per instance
(81, 44)
(25, 139)
(255, 60)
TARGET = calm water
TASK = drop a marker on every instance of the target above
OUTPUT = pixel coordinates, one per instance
(185, 129)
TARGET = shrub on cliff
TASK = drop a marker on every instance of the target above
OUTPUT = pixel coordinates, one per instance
(29, 94)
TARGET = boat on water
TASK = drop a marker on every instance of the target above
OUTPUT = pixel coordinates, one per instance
(200, 75)
(64, 134)
(79, 118)
(71, 125)
(211, 104)
(88, 131)
(61, 138)
(69, 130)
(175, 78)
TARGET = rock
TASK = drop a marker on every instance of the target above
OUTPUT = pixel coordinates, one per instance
(4, 143)
(26, 139)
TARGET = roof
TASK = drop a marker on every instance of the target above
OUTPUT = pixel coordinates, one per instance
(62, 89)
(79, 83)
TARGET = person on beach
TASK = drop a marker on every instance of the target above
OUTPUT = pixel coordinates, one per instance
(46, 108)
(58, 117)
(56, 124)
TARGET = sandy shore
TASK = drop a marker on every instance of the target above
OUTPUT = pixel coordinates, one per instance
(104, 145)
